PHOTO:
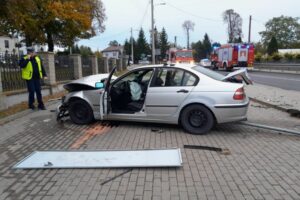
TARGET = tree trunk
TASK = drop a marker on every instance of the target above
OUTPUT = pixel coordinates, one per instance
(50, 42)
(188, 39)
(28, 40)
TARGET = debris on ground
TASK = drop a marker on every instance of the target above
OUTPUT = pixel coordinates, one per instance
(157, 130)
(117, 176)
(294, 112)
(224, 151)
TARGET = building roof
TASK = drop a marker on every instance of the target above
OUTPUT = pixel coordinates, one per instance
(113, 48)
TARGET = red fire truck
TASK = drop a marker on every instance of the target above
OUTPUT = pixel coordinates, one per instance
(233, 55)
(180, 56)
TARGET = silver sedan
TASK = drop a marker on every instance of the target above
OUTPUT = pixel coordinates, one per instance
(192, 96)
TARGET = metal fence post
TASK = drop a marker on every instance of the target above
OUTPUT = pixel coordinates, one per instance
(49, 66)
(2, 96)
(77, 65)
(94, 64)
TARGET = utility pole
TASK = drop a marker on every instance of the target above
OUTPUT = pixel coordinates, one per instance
(249, 35)
(132, 58)
(152, 32)
(175, 41)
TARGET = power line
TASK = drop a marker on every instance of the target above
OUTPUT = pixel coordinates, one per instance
(146, 11)
(192, 14)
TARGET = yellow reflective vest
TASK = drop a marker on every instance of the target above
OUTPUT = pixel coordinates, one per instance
(28, 70)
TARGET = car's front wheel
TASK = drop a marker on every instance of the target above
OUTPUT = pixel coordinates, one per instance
(197, 119)
(80, 112)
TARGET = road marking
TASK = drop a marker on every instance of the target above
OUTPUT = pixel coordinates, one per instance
(290, 79)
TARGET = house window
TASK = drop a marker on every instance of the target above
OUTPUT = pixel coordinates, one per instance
(6, 44)
(114, 54)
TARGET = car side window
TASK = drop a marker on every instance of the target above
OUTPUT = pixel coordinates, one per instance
(189, 79)
(172, 77)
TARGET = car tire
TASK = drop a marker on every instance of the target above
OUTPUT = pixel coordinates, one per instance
(81, 112)
(197, 119)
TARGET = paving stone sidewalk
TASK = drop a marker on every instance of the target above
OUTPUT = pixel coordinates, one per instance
(261, 165)
(287, 99)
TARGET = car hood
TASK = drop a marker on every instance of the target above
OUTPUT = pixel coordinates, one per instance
(86, 83)
(242, 73)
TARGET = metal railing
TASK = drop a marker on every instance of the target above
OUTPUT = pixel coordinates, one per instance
(64, 68)
(11, 73)
(101, 65)
(86, 66)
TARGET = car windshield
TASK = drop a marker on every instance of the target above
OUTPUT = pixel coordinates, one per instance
(209, 73)
(184, 54)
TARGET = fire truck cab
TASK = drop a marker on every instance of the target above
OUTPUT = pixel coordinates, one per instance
(233, 55)
(180, 56)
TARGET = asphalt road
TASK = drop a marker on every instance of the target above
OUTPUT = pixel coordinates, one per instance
(283, 81)
(280, 80)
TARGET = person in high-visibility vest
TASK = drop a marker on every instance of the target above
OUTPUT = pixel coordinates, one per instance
(33, 71)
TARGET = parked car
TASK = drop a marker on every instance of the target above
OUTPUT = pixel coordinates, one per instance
(144, 62)
(205, 63)
(194, 97)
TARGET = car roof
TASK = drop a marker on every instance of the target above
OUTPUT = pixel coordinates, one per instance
(180, 65)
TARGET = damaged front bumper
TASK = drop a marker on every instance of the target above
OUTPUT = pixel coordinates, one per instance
(62, 110)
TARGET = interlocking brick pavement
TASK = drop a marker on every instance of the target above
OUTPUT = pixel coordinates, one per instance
(262, 164)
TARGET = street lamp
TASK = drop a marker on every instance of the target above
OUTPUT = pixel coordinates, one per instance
(152, 30)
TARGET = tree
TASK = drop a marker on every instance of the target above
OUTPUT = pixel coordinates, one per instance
(198, 51)
(164, 44)
(235, 23)
(53, 22)
(127, 47)
(142, 47)
(206, 45)
(272, 46)
(260, 48)
(188, 26)
(286, 30)
(113, 43)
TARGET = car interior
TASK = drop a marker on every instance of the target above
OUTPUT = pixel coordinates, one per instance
(128, 94)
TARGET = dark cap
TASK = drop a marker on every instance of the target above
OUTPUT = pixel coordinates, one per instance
(30, 49)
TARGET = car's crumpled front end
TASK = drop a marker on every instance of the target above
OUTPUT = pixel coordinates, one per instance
(62, 109)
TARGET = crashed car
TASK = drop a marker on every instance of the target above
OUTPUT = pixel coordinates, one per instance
(192, 96)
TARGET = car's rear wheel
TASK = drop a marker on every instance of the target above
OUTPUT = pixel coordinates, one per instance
(81, 112)
(197, 119)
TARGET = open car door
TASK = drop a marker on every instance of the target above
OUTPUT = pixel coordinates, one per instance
(105, 96)
(241, 73)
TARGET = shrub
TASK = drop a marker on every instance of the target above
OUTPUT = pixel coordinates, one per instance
(258, 57)
(288, 56)
(297, 56)
(276, 57)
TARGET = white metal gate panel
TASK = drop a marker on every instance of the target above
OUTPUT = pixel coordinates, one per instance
(102, 159)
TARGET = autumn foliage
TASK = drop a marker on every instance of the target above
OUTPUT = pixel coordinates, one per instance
(58, 22)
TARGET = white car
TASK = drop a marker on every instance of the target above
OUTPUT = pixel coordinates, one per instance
(194, 97)
(205, 62)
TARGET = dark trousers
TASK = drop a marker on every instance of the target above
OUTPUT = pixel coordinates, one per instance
(34, 86)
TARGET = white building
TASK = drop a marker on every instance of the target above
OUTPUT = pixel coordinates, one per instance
(113, 52)
(290, 51)
(8, 44)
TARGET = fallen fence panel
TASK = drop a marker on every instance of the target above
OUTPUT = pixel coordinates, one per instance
(102, 159)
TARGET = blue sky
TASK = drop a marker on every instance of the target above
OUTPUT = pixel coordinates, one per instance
(122, 15)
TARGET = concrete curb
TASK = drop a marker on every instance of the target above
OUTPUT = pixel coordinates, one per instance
(275, 71)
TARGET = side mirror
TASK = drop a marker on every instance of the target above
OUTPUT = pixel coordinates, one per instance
(99, 85)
